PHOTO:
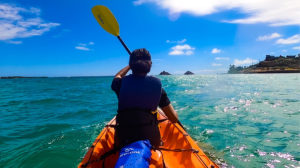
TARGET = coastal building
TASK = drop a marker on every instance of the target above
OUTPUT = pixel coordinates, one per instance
(270, 58)
(291, 56)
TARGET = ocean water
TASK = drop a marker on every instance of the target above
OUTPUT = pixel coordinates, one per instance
(238, 120)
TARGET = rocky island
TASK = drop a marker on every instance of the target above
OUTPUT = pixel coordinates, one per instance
(17, 77)
(188, 73)
(164, 73)
(271, 64)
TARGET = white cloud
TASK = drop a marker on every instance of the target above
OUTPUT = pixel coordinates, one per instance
(296, 48)
(17, 22)
(182, 50)
(272, 12)
(84, 46)
(222, 58)
(291, 40)
(215, 51)
(178, 41)
(140, 2)
(14, 42)
(269, 37)
(215, 64)
(246, 61)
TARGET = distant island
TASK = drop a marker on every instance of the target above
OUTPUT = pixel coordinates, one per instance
(16, 77)
(164, 73)
(271, 64)
(188, 73)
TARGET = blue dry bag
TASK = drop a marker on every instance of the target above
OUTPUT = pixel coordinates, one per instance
(135, 155)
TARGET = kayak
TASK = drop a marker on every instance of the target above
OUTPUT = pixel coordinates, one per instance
(177, 150)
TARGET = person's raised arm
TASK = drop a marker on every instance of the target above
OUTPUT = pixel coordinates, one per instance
(170, 113)
(122, 72)
(167, 107)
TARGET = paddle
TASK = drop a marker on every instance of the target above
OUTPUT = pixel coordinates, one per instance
(108, 22)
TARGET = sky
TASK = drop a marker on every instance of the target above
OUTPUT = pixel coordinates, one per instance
(62, 37)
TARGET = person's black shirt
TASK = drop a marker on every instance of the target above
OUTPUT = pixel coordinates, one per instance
(164, 100)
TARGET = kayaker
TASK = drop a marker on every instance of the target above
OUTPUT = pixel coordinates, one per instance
(139, 96)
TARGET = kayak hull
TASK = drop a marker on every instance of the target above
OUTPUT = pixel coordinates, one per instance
(178, 149)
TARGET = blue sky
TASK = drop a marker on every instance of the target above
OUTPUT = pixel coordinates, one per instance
(61, 38)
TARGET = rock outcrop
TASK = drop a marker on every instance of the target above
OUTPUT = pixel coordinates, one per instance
(188, 73)
(164, 73)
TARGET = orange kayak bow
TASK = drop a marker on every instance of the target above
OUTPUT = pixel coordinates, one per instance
(178, 149)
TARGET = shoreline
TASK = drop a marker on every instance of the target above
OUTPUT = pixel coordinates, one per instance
(269, 72)
(271, 64)
(33, 77)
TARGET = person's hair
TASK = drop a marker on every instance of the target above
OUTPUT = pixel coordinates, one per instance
(140, 61)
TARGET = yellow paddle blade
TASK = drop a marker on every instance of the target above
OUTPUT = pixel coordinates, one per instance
(106, 19)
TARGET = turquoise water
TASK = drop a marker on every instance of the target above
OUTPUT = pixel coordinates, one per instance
(239, 120)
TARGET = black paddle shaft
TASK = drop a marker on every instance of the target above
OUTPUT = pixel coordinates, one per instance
(124, 45)
(181, 125)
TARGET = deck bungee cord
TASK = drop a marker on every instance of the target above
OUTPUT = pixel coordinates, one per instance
(160, 149)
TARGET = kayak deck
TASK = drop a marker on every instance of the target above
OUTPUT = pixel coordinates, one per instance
(178, 149)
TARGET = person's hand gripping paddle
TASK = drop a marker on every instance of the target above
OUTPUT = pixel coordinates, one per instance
(108, 22)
